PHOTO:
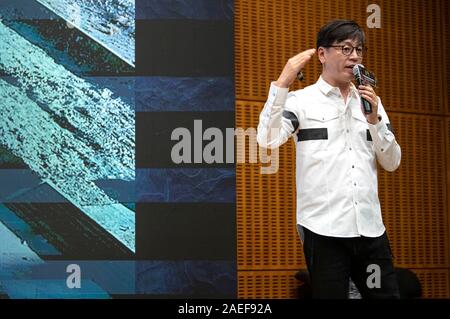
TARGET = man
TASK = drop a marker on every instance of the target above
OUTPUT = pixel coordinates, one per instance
(337, 146)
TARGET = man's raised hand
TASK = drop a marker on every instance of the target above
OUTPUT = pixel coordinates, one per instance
(293, 66)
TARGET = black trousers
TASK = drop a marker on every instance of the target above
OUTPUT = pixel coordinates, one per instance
(332, 261)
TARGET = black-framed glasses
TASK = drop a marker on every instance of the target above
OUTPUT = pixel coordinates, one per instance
(348, 49)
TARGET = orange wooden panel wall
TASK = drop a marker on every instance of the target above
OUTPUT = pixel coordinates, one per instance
(265, 206)
(446, 50)
(413, 197)
(409, 55)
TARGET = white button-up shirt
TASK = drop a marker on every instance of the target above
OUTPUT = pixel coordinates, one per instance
(337, 149)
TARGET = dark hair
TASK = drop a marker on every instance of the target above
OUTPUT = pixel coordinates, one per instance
(340, 30)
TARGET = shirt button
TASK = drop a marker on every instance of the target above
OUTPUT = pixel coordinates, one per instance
(356, 203)
(350, 148)
(348, 131)
(353, 166)
(354, 184)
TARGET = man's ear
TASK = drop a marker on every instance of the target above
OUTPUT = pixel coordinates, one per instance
(321, 54)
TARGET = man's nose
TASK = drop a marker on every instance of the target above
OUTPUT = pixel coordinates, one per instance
(354, 55)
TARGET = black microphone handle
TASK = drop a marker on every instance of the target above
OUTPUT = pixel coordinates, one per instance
(367, 107)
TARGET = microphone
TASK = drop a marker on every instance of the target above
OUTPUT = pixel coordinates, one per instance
(364, 77)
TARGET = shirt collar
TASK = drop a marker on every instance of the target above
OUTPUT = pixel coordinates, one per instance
(353, 90)
(326, 88)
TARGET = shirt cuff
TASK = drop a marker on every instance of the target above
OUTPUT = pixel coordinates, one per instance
(381, 136)
(277, 96)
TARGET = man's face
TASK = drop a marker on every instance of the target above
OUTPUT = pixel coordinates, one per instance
(337, 66)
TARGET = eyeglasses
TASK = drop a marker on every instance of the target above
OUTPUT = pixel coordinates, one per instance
(348, 49)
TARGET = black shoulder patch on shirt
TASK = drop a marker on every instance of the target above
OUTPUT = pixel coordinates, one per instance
(293, 118)
(389, 126)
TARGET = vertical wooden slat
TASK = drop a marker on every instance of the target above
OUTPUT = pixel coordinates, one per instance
(267, 237)
(447, 155)
(445, 47)
(413, 197)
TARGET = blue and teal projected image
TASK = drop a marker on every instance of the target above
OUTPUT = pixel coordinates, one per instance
(67, 148)
(91, 203)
